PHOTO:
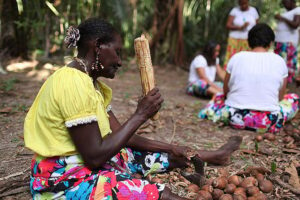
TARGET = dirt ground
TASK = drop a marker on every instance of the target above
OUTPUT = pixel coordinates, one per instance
(178, 123)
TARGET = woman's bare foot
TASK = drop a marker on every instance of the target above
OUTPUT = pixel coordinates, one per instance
(222, 155)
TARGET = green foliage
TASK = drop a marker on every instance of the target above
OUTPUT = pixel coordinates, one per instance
(45, 21)
(273, 167)
(8, 85)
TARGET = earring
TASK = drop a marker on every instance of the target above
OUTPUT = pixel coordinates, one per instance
(96, 63)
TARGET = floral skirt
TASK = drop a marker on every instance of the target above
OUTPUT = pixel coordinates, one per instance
(199, 88)
(68, 178)
(260, 121)
(234, 46)
(289, 53)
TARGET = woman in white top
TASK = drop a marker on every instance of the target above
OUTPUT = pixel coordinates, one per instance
(287, 36)
(203, 70)
(241, 19)
(254, 88)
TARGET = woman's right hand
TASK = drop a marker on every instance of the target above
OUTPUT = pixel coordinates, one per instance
(246, 24)
(149, 105)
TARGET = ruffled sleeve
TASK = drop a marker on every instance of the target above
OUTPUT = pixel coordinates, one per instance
(76, 98)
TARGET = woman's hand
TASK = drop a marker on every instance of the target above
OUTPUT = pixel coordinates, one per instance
(149, 105)
(278, 17)
(246, 24)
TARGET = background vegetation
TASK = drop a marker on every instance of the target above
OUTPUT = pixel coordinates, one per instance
(177, 28)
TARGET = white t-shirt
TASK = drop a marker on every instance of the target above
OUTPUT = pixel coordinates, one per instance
(200, 61)
(283, 32)
(255, 80)
(240, 17)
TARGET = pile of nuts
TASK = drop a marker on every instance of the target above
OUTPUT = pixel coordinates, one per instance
(236, 188)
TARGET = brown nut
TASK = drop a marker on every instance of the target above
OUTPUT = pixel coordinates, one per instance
(204, 195)
(226, 197)
(249, 181)
(219, 183)
(193, 188)
(217, 193)
(207, 188)
(236, 180)
(230, 188)
(259, 196)
(252, 191)
(239, 197)
(240, 191)
(266, 186)
(259, 177)
(259, 138)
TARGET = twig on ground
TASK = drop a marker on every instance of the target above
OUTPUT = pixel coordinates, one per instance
(285, 185)
(174, 130)
(15, 191)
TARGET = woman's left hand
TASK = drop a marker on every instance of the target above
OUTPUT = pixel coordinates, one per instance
(182, 151)
(278, 17)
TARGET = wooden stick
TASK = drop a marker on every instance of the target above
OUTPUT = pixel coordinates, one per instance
(285, 185)
(142, 52)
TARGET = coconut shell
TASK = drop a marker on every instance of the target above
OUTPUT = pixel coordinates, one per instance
(226, 197)
(266, 186)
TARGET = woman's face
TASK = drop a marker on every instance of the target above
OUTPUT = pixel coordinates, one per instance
(244, 5)
(217, 51)
(110, 57)
(288, 4)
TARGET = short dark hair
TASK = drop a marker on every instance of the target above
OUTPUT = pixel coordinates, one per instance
(261, 35)
(95, 28)
(209, 52)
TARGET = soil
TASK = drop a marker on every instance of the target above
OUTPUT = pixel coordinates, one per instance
(178, 124)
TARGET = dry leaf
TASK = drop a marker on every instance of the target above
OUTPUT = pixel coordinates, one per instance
(294, 179)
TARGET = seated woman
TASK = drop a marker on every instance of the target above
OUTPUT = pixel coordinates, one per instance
(203, 70)
(81, 149)
(254, 88)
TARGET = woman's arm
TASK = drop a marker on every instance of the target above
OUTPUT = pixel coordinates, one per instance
(282, 89)
(225, 86)
(202, 75)
(141, 143)
(291, 23)
(232, 27)
(96, 150)
(221, 72)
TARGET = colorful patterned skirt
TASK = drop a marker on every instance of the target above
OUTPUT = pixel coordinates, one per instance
(199, 88)
(289, 53)
(234, 46)
(260, 121)
(68, 178)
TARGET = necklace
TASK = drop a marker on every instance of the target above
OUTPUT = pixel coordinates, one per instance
(82, 64)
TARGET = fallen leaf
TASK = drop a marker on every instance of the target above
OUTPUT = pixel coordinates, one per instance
(294, 179)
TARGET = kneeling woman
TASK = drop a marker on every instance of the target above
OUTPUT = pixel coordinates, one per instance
(203, 70)
(254, 88)
(82, 151)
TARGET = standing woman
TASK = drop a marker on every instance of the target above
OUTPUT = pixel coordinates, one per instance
(287, 36)
(203, 70)
(241, 19)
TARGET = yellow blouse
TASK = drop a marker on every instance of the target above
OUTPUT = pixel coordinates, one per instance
(68, 98)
